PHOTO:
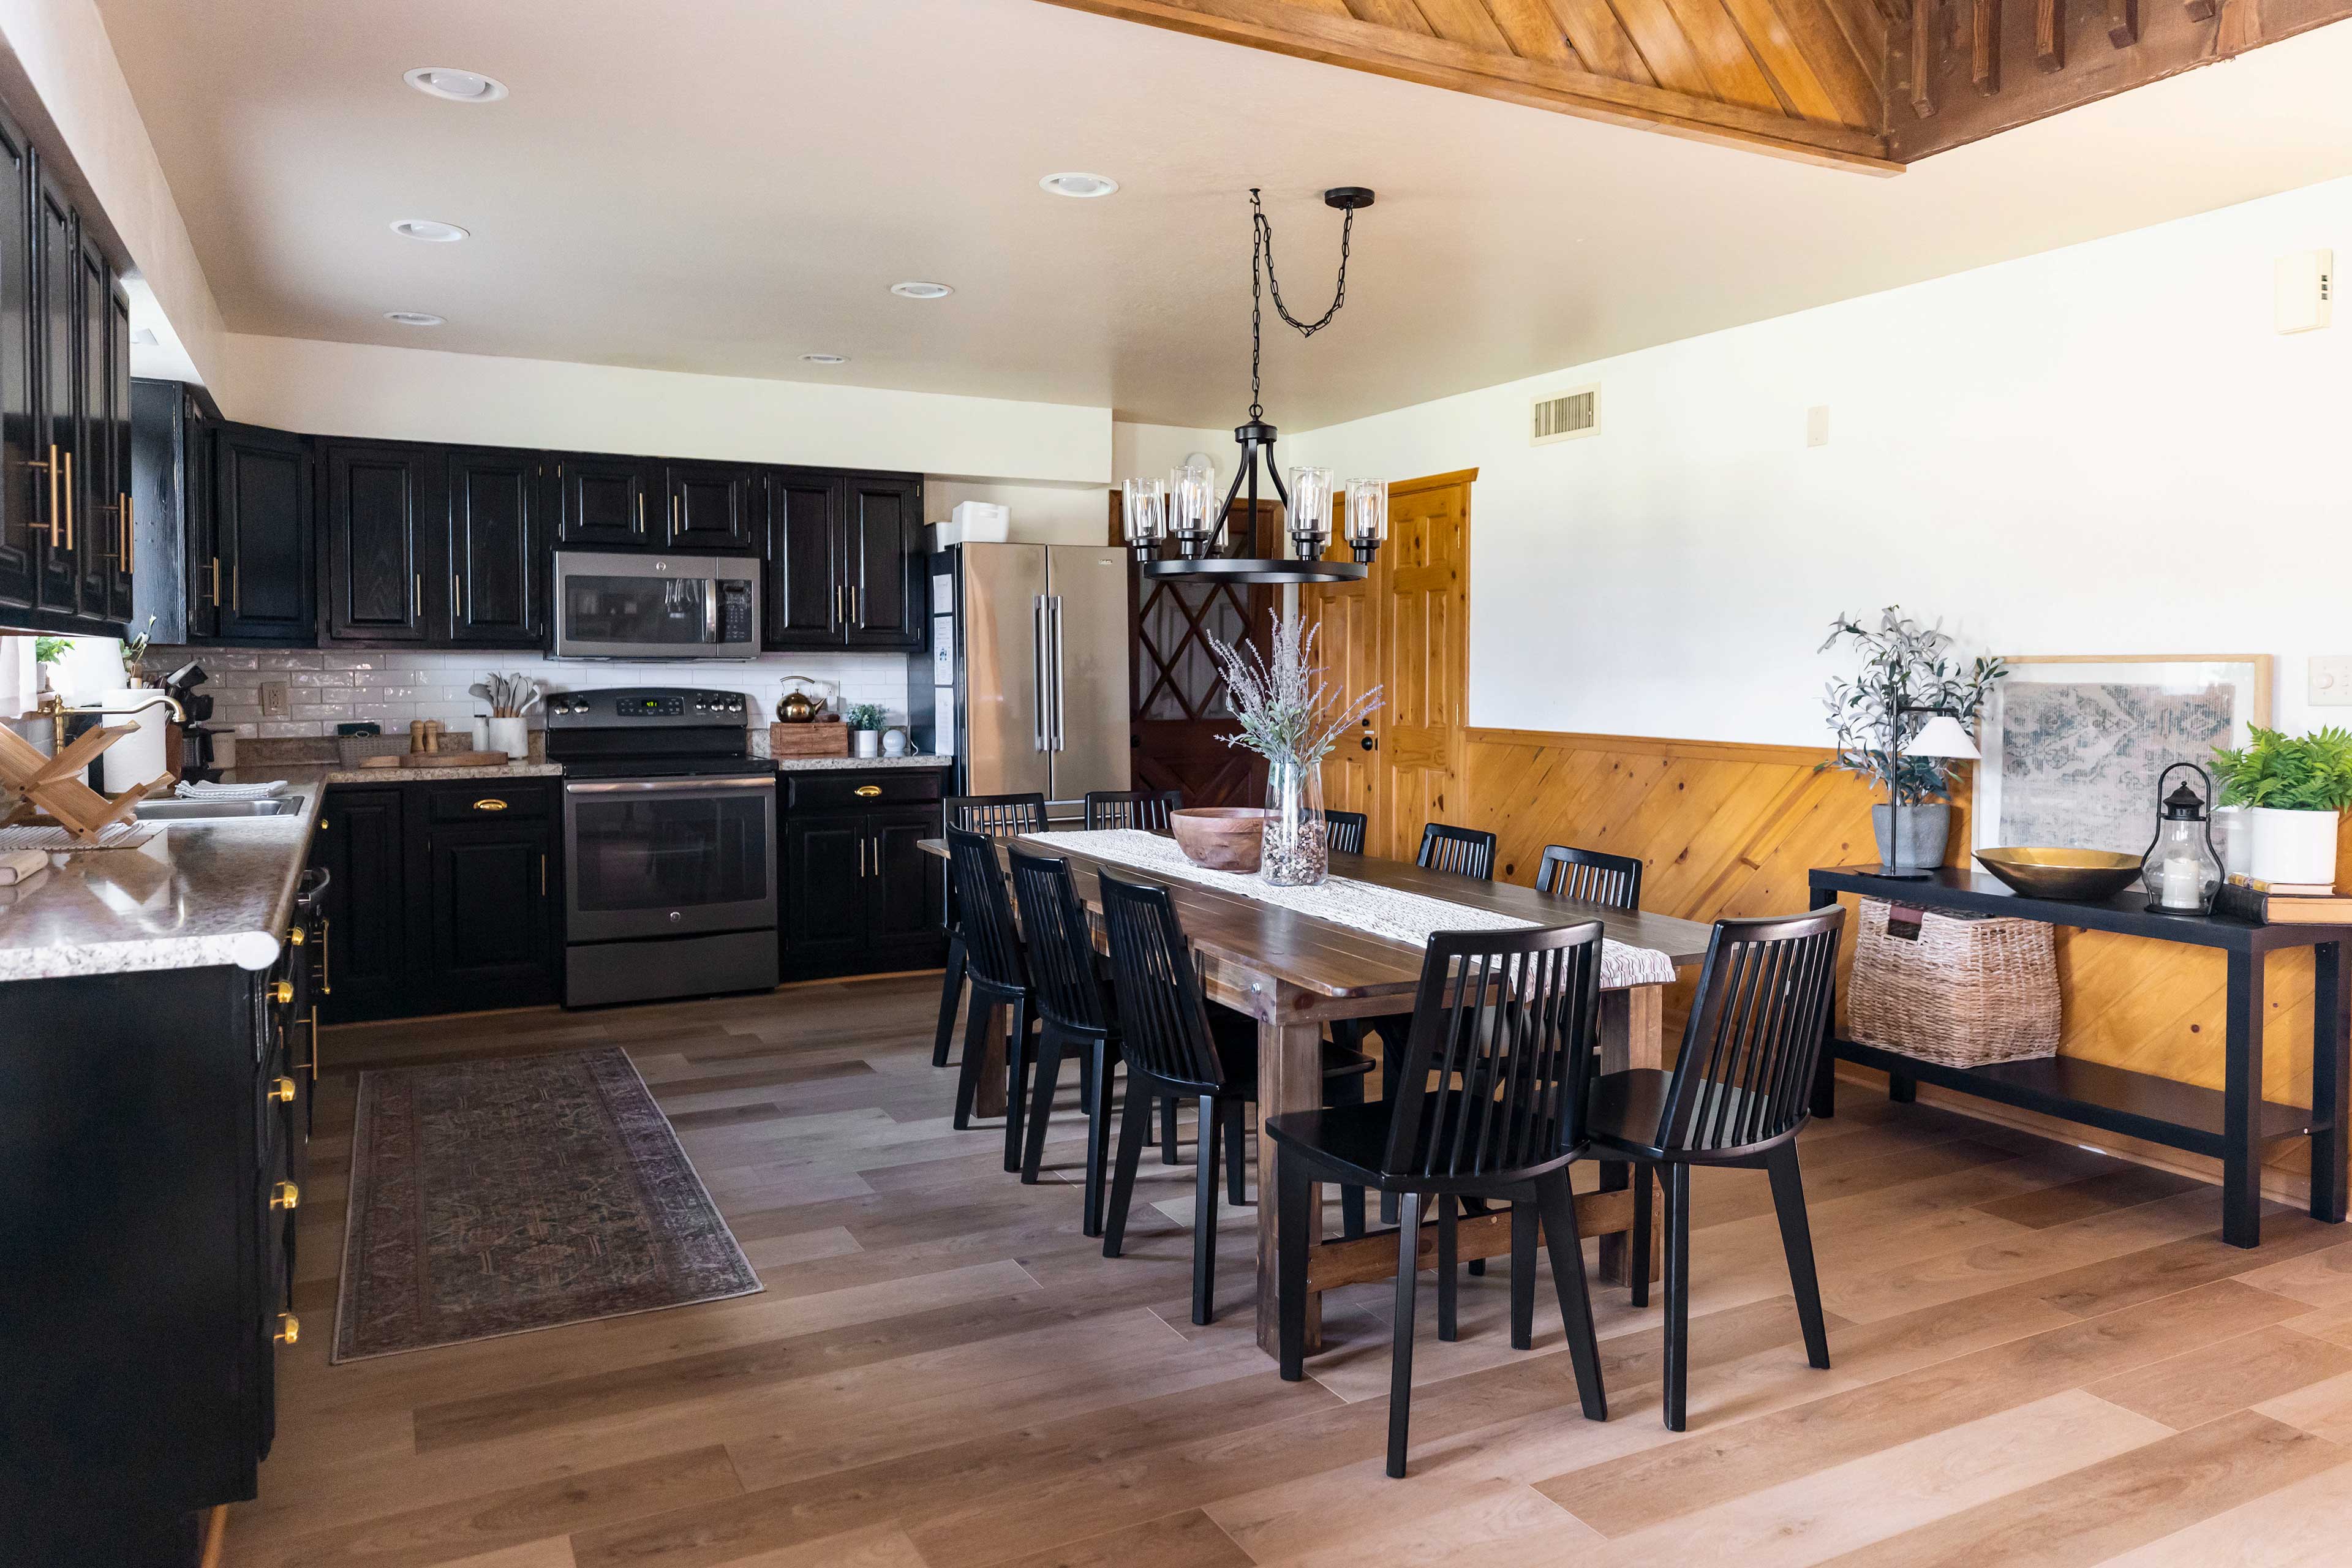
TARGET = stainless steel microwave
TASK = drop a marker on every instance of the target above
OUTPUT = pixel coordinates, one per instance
(611, 605)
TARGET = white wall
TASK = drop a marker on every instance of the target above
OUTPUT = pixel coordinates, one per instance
(417, 394)
(1040, 514)
(2105, 449)
(1151, 450)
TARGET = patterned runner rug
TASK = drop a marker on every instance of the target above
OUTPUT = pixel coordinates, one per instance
(495, 1197)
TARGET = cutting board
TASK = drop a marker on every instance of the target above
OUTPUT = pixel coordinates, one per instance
(438, 760)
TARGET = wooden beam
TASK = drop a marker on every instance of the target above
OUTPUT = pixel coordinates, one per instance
(2240, 28)
(1984, 46)
(2049, 33)
(1435, 62)
(2123, 23)
(1923, 58)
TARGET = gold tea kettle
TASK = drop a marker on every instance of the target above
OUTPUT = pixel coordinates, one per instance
(799, 707)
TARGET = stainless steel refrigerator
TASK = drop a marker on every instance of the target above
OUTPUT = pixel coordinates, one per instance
(1031, 667)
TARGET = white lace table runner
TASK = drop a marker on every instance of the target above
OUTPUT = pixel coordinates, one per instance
(1387, 913)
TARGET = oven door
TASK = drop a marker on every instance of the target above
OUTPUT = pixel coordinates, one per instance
(658, 858)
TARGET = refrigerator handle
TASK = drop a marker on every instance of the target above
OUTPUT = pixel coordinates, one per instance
(1037, 637)
(1054, 603)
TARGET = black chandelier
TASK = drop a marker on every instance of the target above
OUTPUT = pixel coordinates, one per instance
(1185, 509)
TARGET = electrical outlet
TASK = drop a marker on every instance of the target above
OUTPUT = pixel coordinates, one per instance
(2331, 680)
(274, 703)
(1817, 425)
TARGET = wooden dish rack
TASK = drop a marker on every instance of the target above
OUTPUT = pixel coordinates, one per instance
(52, 784)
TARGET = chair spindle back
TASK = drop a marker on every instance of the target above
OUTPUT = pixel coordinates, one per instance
(1163, 1020)
(1746, 1073)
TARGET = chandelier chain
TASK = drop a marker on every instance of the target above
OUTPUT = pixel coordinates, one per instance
(1261, 262)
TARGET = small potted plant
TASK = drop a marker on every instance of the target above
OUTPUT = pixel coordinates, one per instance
(48, 652)
(865, 721)
(1906, 667)
(2291, 788)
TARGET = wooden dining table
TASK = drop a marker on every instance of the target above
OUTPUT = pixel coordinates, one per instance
(1295, 974)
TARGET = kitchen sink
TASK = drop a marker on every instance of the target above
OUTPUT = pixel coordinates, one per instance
(216, 810)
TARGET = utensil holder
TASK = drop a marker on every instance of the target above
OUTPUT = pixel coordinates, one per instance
(511, 736)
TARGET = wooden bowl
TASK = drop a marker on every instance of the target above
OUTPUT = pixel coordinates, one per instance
(1220, 837)
(2078, 876)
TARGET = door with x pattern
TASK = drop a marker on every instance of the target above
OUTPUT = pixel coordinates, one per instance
(1181, 713)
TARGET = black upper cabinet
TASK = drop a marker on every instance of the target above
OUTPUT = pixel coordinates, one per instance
(384, 509)
(711, 506)
(120, 513)
(889, 604)
(603, 502)
(846, 561)
(498, 581)
(805, 599)
(57, 264)
(22, 519)
(260, 563)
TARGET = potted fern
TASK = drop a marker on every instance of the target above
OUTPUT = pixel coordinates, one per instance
(2293, 788)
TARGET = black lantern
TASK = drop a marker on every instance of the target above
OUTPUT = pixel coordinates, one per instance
(2181, 869)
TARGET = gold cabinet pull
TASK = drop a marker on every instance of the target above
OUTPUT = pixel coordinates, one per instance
(543, 875)
(281, 1089)
(281, 992)
(289, 1329)
(68, 458)
(126, 528)
(314, 1043)
(417, 598)
(285, 1196)
(456, 597)
(295, 937)
(869, 791)
(216, 595)
(490, 803)
(640, 511)
(326, 953)
(50, 467)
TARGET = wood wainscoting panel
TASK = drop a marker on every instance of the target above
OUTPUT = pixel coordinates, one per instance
(1728, 829)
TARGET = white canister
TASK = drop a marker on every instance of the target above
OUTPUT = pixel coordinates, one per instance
(135, 759)
(481, 734)
(2291, 845)
(511, 736)
(865, 742)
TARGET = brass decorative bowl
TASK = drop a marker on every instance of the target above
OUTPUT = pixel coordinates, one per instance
(1220, 837)
(2081, 876)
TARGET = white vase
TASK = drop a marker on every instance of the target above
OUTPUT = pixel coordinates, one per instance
(2291, 845)
(511, 736)
(865, 742)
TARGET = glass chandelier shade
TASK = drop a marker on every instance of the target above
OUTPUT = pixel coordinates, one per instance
(1146, 516)
(1368, 517)
(1310, 511)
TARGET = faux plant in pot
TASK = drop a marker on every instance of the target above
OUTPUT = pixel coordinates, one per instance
(865, 720)
(1908, 675)
(2293, 788)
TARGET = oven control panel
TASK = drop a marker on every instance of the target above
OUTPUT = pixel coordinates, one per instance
(634, 706)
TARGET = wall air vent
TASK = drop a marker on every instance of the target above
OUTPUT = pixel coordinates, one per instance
(1566, 416)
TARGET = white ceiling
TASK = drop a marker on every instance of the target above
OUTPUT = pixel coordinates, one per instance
(724, 185)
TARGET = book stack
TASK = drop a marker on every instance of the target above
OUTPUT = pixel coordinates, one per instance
(2282, 903)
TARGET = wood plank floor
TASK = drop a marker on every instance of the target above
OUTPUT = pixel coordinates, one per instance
(2042, 1356)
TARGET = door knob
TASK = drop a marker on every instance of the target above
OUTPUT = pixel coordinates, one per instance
(1369, 744)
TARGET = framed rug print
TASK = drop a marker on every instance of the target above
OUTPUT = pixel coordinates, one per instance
(2072, 744)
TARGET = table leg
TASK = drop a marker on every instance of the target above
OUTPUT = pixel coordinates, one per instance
(2331, 1082)
(1825, 1065)
(1289, 1077)
(988, 1098)
(1633, 1035)
(2241, 1097)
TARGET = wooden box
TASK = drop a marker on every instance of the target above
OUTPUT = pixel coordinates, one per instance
(818, 738)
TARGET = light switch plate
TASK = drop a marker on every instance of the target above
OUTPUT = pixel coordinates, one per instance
(2331, 680)
(274, 699)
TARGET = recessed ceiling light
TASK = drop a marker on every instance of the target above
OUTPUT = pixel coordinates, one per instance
(1079, 185)
(415, 318)
(457, 85)
(431, 230)
(921, 291)
(826, 359)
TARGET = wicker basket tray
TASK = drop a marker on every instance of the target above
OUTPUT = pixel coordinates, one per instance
(1967, 992)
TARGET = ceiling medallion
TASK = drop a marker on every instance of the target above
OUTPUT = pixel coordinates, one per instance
(1184, 507)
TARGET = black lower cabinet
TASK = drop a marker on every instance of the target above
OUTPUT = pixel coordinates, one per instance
(442, 898)
(860, 897)
(150, 1136)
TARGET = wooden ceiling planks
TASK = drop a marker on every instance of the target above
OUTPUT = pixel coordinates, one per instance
(1776, 76)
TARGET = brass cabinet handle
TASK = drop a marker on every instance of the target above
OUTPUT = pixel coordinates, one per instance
(869, 791)
(417, 598)
(853, 605)
(281, 992)
(491, 804)
(289, 1329)
(543, 875)
(215, 583)
(314, 1042)
(861, 855)
(126, 528)
(69, 500)
(281, 1089)
(285, 1196)
(640, 511)
(326, 953)
(456, 597)
(295, 936)
(50, 467)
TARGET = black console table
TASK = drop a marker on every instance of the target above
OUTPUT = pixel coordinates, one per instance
(2231, 1126)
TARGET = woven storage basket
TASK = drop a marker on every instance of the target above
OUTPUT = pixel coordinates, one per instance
(1971, 990)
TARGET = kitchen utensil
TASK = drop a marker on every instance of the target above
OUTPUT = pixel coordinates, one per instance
(2081, 876)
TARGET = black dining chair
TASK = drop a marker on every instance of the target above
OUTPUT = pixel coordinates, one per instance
(999, 816)
(1489, 1103)
(1178, 1047)
(1144, 808)
(1343, 832)
(1074, 1018)
(999, 972)
(1589, 875)
(1738, 1095)
(1465, 851)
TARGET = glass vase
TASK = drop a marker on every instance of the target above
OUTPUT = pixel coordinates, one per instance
(1296, 853)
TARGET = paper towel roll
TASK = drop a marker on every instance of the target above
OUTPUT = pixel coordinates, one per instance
(135, 759)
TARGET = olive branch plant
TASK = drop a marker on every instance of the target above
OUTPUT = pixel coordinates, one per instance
(1905, 665)
(1288, 711)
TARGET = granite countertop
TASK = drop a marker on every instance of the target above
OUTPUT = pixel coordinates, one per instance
(851, 765)
(425, 774)
(197, 894)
